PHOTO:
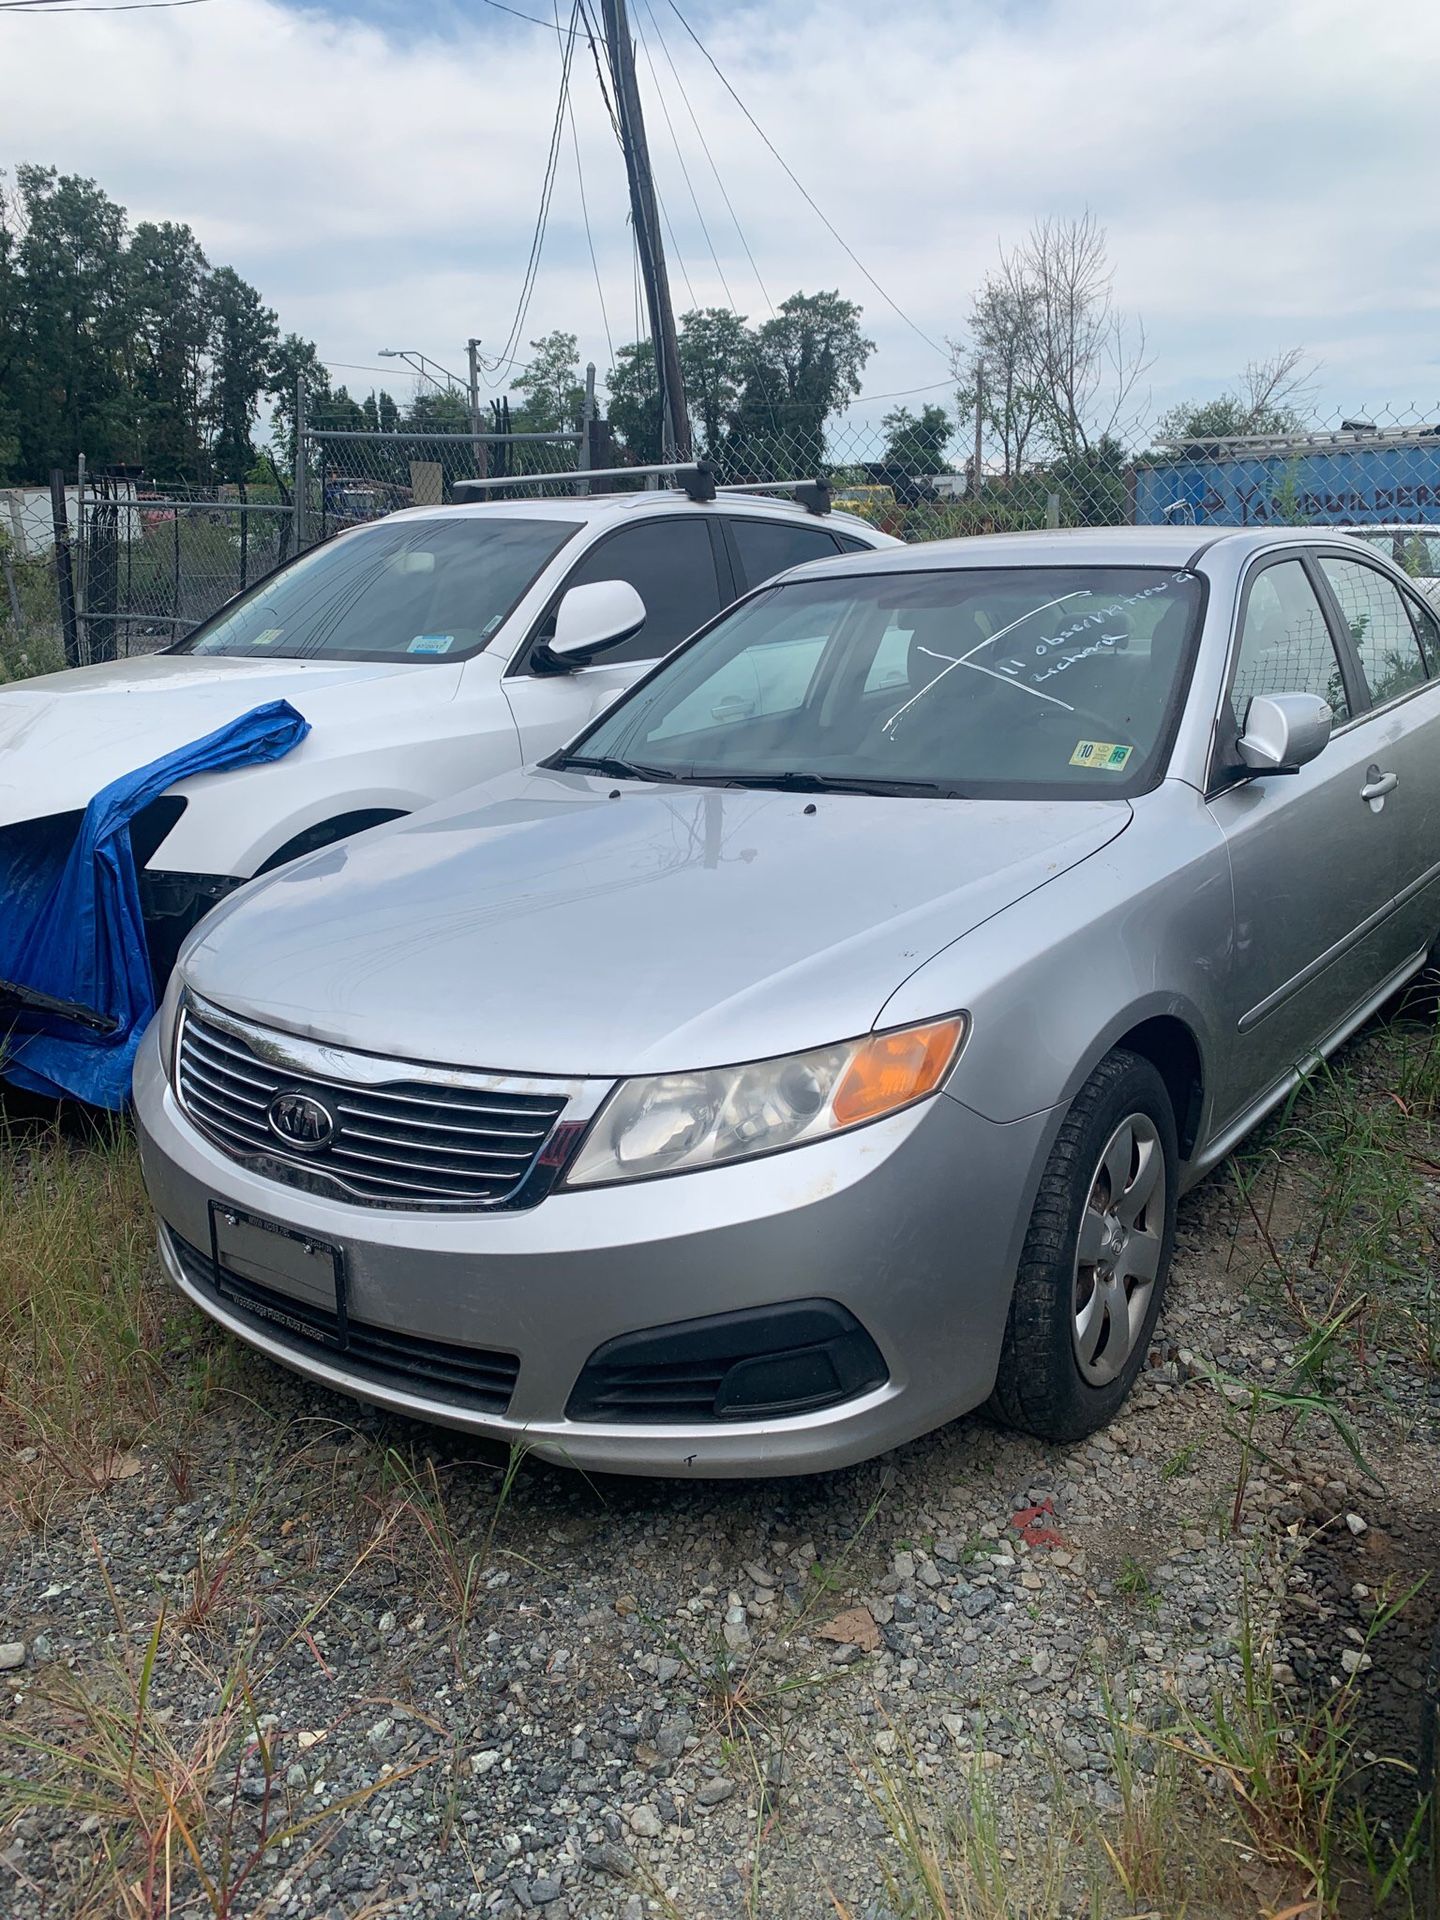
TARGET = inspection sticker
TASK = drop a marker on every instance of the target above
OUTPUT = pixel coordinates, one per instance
(1100, 753)
(431, 643)
(268, 637)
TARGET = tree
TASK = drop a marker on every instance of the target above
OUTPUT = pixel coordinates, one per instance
(1272, 396)
(806, 365)
(243, 339)
(917, 442)
(1061, 364)
(170, 322)
(633, 401)
(716, 351)
(554, 395)
(295, 359)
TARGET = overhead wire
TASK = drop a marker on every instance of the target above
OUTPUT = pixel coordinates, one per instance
(675, 143)
(119, 6)
(589, 236)
(803, 191)
(547, 189)
(705, 147)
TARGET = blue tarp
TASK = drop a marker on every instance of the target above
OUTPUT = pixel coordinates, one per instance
(70, 921)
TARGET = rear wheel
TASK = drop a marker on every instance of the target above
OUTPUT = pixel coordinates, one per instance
(1095, 1261)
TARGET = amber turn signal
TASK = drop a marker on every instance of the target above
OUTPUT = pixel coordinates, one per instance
(889, 1070)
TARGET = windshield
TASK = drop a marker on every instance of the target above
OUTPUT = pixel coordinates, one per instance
(1043, 682)
(400, 590)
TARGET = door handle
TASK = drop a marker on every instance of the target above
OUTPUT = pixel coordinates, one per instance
(1378, 784)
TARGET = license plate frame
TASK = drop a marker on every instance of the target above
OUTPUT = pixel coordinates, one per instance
(291, 1265)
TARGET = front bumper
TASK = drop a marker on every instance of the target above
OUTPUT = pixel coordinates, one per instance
(913, 1225)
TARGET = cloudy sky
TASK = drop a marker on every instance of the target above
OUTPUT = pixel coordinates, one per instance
(1267, 173)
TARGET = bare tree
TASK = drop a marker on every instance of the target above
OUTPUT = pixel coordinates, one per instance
(1062, 364)
(1275, 395)
(1088, 364)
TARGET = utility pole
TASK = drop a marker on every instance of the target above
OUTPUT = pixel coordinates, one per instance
(482, 463)
(675, 417)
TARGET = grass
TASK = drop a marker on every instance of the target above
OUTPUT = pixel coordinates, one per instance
(92, 1343)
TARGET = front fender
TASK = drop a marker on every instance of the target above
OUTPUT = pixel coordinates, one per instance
(1142, 928)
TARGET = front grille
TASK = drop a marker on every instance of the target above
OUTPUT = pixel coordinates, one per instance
(418, 1140)
(470, 1376)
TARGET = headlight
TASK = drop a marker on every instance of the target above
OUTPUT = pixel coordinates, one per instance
(167, 1021)
(674, 1122)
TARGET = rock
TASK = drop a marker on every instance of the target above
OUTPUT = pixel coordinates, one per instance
(856, 1626)
(608, 1857)
(1354, 1661)
(12, 1655)
(1356, 1525)
(886, 1741)
(645, 1822)
(544, 1890)
(715, 1791)
(481, 1763)
(903, 1566)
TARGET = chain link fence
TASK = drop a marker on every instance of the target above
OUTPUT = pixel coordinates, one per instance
(150, 565)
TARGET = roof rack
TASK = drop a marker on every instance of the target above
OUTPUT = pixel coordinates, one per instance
(696, 478)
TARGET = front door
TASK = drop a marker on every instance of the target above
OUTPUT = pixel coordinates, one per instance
(670, 560)
(1313, 860)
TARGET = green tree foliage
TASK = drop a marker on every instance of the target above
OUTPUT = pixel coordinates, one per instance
(759, 397)
(552, 392)
(917, 442)
(1272, 396)
(126, 344)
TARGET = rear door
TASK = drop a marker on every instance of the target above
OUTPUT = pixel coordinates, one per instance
(678, 565)
(1314, 863)
(1397, 642)
(763, 548)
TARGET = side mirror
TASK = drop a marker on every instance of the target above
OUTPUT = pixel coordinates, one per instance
(1283, 731)
(591, 618)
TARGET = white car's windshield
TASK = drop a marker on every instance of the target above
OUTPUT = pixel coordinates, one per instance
(1045, 681)
(403, 590)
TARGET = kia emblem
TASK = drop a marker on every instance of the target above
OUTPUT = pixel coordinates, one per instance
(301, 1120)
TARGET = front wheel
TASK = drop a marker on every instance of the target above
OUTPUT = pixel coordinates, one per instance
(1093, 1268)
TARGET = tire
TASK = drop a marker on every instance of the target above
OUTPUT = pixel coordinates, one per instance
(1065, 1305)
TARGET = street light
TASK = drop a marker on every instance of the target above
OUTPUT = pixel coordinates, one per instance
(411, 354)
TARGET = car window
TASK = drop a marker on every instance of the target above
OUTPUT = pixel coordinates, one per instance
(420, 590)
(1428, 629)
(769, 547)
(671, 565)
(1380, 625)
(760, 681)
(1285, 644)
(1030, 681)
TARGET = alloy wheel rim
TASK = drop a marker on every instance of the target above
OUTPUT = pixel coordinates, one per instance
(1117, 1250)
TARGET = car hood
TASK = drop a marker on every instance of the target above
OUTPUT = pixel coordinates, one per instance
(556, 924)
(64, 736)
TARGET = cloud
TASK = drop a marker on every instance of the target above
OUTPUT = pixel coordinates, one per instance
(1265, 174)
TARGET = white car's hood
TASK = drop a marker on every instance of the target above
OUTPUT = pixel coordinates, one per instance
(64, 736)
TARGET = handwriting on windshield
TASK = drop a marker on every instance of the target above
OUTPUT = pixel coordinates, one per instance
(1046, 658)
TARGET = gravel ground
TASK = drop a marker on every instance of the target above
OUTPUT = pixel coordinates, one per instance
(606, 1698)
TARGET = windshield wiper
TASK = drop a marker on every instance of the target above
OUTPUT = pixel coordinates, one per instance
(833, 783)
(612, 767)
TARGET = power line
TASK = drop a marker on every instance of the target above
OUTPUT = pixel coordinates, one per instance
(547, 190)
(589, 237)
(804, 194)
(516, 14)
(685, 171)
(705, 146)
(120, 6)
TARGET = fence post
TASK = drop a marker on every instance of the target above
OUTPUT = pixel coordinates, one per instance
(301, 482)
(64, 577)
(17, 619)
(482, 451)
(1052, 509)
(587, 427)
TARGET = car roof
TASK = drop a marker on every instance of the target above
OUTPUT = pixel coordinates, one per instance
(620, 507)
(1168, 546)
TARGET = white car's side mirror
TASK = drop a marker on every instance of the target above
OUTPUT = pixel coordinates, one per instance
(592, 618)
(1283, 731)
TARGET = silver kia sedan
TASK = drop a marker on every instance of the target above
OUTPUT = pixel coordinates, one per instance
(817, 1047)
